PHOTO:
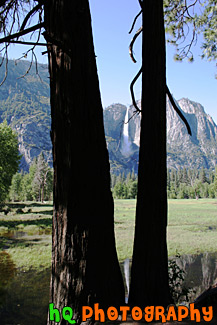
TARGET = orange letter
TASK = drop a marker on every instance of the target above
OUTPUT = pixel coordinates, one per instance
(159, 311)
(136, 313)
(194, 311)
(124, 310)
(208, 315)
(184, 315)
(99, 313)
(149, 311)
(112, 313)
(86, 315)
(171, 313)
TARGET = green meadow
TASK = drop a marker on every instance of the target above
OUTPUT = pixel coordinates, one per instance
(192, 226)
(25, 231)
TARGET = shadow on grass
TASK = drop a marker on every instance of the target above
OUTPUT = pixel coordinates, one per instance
(13, 242)
(23, 205)
(48, 212)
(39, 205)
(43, 222)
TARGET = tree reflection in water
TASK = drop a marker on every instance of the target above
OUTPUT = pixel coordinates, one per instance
(24, 296)
(200, 271)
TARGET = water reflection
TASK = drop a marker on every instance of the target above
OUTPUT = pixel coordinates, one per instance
(13, 234)
(16, 234)
(26, 298)
(7, 273)
(25, 295)
(7, 268)
(200, 271)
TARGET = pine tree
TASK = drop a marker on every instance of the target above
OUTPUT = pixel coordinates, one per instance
(133, 176)
(185, 20)
(132, 189)
(211, 176)
(83, 234)
(190, 174)
(16, 188)
(179, 176)
(185, 176)
(202, 176)
(9, 158)
(128, 178)
(168, 180)
(215, 181)
(149, 273)
(118, 191)
(40, 177)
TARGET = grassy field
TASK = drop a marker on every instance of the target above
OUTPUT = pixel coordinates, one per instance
(26, 234)
(192, 226)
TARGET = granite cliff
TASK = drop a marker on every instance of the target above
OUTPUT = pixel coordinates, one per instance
(24, 103)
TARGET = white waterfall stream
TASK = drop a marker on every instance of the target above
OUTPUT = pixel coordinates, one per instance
(125, 148)
(127, 277)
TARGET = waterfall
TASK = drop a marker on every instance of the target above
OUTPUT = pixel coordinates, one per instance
(127, 276)
(125, 148)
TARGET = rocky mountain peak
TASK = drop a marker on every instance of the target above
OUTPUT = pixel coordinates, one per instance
(24, 103)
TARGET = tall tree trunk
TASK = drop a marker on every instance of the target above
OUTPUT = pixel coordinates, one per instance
(149, 274)
(42, 192)
(85, 267)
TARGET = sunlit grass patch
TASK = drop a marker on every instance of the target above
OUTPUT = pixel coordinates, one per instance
(124, 227)
(192, 226)
(26, 236)
(192, 229)
(33, 256)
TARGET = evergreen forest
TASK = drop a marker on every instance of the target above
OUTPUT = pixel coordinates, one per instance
(181, 184)
(37, 184)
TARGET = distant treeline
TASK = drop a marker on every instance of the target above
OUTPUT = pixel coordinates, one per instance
(36, 185)
(181, 184)
(191, 183)
(124, 186)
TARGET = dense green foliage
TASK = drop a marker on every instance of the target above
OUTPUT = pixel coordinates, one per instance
(181, 184)
(9, 158)
(191, 184)
(179, 292)
(36, 185)
(185, 20)
(124, 187)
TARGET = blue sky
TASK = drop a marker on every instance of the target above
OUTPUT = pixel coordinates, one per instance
(111, 22)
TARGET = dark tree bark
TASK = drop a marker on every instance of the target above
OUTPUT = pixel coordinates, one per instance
(149, 274)
(85, 267)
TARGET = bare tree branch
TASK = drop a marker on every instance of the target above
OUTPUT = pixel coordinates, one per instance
(11, 13)
(132, 116)
(30, 13)
(132, 92)
(8, 38)
(178, 110)
(141, 3)
(28, 43)
(6, 67)
(135, 19)
(132, 43)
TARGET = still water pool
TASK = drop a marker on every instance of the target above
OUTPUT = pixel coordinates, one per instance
(24, 295)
